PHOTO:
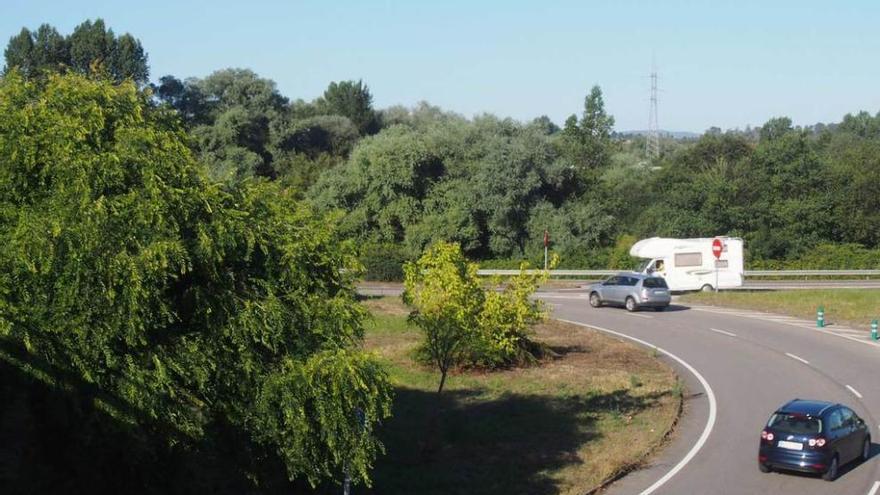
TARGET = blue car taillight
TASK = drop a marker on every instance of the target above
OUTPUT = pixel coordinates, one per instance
(816, 443)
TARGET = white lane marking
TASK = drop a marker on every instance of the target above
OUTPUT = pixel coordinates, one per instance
(640, 316)
(713, 407)
(809, 326)
(851, 331)
(847, 337)
(724, 332)
(798, 358)
(874, 488)
(854, 391)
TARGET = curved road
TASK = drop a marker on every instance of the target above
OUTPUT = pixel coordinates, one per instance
(752, 363)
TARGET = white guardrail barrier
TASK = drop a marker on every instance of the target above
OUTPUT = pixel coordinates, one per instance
(748, 273)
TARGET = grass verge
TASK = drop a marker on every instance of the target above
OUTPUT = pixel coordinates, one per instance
(566, 426)
(852, 307)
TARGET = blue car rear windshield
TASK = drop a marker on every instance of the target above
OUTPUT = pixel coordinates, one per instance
(655, 283)
(797, 424)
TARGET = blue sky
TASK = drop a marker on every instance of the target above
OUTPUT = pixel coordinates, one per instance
(727, 64)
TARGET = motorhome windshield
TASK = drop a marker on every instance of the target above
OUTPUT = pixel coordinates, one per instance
(642, 265)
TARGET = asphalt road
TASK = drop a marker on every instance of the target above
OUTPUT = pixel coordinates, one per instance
(750, 363)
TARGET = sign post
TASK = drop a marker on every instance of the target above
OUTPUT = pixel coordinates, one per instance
(717, 247)
(546, 244)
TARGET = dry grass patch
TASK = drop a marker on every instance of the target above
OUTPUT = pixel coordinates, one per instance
(598, 407)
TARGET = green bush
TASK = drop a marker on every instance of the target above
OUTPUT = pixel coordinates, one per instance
(827, 257)
(383, 262)
(465, 324)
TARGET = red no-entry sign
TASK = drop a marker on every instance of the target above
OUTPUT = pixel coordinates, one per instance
(716, 248)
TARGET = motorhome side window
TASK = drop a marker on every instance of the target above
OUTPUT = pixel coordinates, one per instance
(688, 259)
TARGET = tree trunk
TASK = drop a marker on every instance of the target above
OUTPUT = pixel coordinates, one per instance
(442, 380)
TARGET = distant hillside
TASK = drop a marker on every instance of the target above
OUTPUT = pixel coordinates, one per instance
(672, 134)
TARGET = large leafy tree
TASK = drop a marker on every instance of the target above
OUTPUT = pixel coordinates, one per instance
(35, 52)
(91, 46)
(183, 308)
(238, 109)
(587, 143)
(352, 100)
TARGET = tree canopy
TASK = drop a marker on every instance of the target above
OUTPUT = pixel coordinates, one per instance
(184, 307)
(90, 48)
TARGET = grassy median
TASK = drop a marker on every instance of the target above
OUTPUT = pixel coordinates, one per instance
(853, 307)
(594, 410)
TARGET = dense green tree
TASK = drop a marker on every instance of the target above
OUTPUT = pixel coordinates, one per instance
(185, 309)
(237, 109)
(128, 59)
(90, 47)
(861, 124)
(775, 128)
(597, 126)
(18, 53)
(34, 52)
(450, 214)
(352, 100)
(331, 134)
(244, 128)
(90, 43)
(382, 185)
(185, 97)
(575, 227)
(587, 143)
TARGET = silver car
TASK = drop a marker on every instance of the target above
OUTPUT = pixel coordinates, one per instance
(632, 291)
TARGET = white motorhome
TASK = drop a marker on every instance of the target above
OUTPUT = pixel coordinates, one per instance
(688, 264)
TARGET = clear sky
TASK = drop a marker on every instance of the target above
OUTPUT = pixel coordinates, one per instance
(720, 63)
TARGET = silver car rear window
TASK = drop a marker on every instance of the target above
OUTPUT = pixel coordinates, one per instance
(655, 283)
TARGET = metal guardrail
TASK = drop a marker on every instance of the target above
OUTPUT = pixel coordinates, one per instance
(748, 273)
(553, 273)
(811, 273)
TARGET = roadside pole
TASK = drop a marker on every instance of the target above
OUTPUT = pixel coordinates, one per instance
(546, 244)
(717, 247)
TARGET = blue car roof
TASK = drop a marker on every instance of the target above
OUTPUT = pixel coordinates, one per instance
(807, 407)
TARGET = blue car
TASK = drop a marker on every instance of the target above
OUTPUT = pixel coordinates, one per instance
(813, 436)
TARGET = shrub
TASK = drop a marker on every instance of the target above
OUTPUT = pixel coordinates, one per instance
(505, 321)
(464, 323)
(383, 262)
